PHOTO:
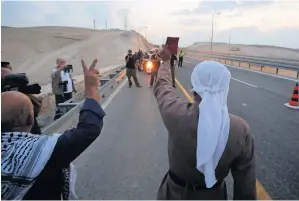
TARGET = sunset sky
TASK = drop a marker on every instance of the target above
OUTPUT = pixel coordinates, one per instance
(250, 22)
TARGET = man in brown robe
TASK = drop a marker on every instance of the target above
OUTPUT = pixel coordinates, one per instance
(183, 179)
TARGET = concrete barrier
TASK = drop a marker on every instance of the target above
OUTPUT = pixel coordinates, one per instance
(70, 118)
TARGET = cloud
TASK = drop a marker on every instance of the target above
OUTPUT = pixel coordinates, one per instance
(191, 20)
(210, 7)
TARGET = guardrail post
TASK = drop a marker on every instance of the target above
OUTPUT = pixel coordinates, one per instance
(262, 67)
(103, 81)
(297, 74)
(276, 70)
(239, 64)
(112, 75)
(248, 65)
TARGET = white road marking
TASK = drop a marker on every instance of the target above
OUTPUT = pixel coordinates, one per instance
(114, 93)
(188, 62)
(123, 58)
(244, 83)
(244, 104)
(260, 72)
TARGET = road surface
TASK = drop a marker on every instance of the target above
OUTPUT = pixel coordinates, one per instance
(129, 158)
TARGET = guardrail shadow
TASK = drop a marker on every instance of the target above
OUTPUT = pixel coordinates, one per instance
(72, 106)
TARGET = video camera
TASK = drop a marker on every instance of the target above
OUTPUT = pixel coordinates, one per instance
(68, 68)
(19, 82)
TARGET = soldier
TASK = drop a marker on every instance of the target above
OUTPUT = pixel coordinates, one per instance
(155, 59)
(181, 57)
(131, 69)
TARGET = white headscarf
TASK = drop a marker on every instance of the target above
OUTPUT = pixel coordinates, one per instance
(210, 80)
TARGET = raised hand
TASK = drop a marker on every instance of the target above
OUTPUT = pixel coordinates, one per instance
(91, 79)
(165, 53)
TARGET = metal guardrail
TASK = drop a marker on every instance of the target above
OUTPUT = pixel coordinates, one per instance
(48, 117)
(104, 92)
(287, 61)
(293, 67)
(280, 64)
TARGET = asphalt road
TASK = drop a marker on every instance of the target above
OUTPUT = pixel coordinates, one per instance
(129, 158)
(260, 99)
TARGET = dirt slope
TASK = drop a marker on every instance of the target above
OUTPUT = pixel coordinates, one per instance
(34, 50)
(251, 50)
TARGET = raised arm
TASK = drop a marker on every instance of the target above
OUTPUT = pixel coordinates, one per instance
(73, 142)
(243, 172)
(170, 105)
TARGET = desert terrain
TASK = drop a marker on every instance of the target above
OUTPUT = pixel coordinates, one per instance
(249, 50)
(34, 50)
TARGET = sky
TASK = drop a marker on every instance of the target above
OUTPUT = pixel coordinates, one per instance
(272, 22)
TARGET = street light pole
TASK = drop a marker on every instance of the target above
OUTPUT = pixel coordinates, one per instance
(230, 35)
(213, 30)
(145, 32)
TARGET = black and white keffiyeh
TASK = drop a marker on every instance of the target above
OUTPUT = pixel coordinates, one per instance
(23, 157)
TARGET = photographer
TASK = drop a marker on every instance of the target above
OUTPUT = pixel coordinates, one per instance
(19, 82)
(5, 71)
(38, 167)
(5, 64)
(67, 82)
(131, 69)
(57, 87)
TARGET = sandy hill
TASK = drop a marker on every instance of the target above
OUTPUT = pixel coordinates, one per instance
(251, 50)
(34, 50)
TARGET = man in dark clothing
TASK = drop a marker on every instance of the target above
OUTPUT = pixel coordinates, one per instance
(181, 57)
(173, 62)
(5, 64)
(37, 103)
(139, 58)
(155, 59)
(131, 69)
(43, 170)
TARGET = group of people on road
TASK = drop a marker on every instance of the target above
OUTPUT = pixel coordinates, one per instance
(205, 141)
(134, 62)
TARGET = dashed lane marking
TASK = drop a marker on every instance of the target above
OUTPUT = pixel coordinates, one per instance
(244, 83)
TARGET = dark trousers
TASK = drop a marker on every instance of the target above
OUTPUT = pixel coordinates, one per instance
(181, 61)
(132, 73)
(58, 99)
(68, 96)
(172, 69)
(153, 77)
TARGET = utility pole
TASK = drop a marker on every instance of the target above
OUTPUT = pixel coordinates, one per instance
(94, 24)
(213, 30)
(126, 19)
(230, 35)
(106, 24)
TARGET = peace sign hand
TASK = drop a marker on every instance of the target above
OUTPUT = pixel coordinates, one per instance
(91, 78)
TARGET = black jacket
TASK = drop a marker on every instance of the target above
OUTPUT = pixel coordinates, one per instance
(68, 147)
